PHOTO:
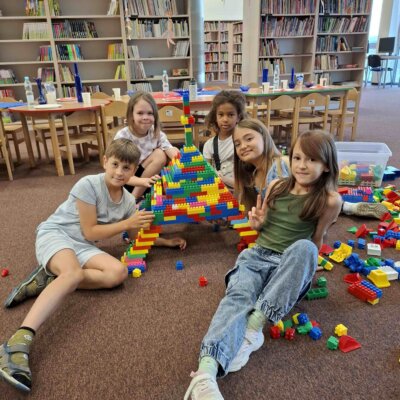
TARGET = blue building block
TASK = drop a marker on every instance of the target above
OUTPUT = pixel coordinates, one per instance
(315, 333)
(179, 265)
(303, 318)
(361, 243)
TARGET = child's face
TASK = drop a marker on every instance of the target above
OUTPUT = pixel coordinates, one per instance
(118, 172)
(143, 117)
(227, 118)
(306, 170)
(249, 145)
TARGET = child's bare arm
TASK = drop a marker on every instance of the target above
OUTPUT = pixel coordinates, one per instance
(143, 182)
(93, 231)
(328, 218)
(172, 152)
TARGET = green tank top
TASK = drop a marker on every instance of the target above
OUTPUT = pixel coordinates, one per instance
(282, 226)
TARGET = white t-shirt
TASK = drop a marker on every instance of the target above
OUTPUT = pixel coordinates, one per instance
(146, 144)
(225, 152)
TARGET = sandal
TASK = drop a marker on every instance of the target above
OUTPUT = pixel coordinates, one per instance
(24, 290)
(18, 376)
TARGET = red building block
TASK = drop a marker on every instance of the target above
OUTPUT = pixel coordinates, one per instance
(289, 333)
(4, 272)
(203, 281)
(274, 332)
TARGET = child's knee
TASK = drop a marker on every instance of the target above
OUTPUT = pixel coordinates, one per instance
(73, 277)
(118, 275)
(159, 157)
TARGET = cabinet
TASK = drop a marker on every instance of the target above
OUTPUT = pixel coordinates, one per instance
(314, 37)
(115, 43)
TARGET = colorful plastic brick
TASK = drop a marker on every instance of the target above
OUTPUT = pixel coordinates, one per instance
(322, 282)
(317, 293)
(4, 272)
(315, 333)
(348, 343)
(136, 273)
(374, 249)
(274, 332)
(290, 333)
(332, 343)
(340, 330)
(379, 278)
(303, 318)
(203, 281)
(179, 265)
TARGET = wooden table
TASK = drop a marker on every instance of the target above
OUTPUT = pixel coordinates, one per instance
(50, 114)
(255, 98)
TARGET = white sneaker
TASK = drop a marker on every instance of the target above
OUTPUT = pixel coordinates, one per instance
(252, 341)
(372, 210)
(203, 387)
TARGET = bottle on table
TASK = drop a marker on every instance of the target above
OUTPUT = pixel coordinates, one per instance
(41, 98)
(192, 89)
(165, 84)
(276, 76)
(30, 99)
(78, 84)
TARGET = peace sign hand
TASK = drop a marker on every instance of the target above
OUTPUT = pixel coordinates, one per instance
(257, 214)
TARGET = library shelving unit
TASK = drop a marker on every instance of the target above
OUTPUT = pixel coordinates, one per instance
(237, 32)
(45, 42)
(149, 25)
(316, 38)
(218, 57)
(115, 44)
(342, 39)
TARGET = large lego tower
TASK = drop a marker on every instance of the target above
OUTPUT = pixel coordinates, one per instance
(189, 191)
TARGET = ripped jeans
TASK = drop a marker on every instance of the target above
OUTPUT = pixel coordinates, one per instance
(263, 280)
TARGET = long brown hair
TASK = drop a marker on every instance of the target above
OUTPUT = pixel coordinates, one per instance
(149, 99)
(318, 145)
(244, 172)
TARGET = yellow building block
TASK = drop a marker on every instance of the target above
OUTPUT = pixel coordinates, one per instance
(136, 273)
(248, 233)
(170, 218)
(379, 278)
(295, 318)
(340, 330)
(280, 325)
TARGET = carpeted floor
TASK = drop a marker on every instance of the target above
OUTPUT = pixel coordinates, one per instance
(141, 340)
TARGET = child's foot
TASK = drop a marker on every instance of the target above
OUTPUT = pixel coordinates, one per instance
(203, 387)
(14, 364)
(32, 286)
(371, 210)
(252, 341)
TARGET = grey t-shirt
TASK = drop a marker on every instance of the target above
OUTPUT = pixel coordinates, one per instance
(91, 189)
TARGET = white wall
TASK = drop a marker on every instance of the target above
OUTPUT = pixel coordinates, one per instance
(225, 10)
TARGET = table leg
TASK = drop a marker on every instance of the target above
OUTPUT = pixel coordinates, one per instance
(343, 116)
(99, 135)
(27, 138)
(55, 144)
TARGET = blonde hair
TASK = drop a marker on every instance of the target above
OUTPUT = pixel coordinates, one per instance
(318, 145)
(244, 172)
(149, 99)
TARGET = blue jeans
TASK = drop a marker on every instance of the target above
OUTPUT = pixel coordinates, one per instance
(263, 280)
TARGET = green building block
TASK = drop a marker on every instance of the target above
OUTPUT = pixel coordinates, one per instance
(332, 343)
(317, 293)
(353, 229)
(321, 281)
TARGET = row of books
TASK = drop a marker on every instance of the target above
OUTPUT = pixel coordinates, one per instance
(120, 72)
(66, 74)
(74, 29)
(325, 61)
(223, 37)
(211, 36)
(287, 6)
(36, 7)
(223, 47)
(137, 70)
(345, 6)
(332, 43)
(211, 47)
(150, 7)
(46, 74)
(211, 57)
(7, 77)
(237, 58)
(69, 52)
(115, 51)
(211, 67)
(137, 29)
(270, 64)
(113, 7)
(133, 52)
(45, 53)
(237, 48)
(181, 49)
(342, 24)
(290, 26)
(69, 91)
(35, 30)
(7, 93)
(211, 26)
(269, 47)
(142, 86)
(211, 76)
(237, 39)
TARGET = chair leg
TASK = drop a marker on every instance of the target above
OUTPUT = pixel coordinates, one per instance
(16, 147)
(68, 148)
(8, 161)
(38, 148)
(45, 148)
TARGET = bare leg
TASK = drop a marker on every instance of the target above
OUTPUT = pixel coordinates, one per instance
(152, 165)
(101, 271)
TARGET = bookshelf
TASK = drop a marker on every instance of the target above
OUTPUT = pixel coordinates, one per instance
(317, 38)
(148, 28)
(218, 38)
(109, 40)
(237, 32)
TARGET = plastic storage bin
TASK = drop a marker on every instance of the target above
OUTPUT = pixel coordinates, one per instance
(362, 163)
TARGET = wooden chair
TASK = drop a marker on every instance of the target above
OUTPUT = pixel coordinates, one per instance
(100, 95)
(5, 152)
(13, 131)
(114, 112)
(86, 139)
(310, 112)
(170, 118)
(272, 116)
(253, 85)
(351, 114)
